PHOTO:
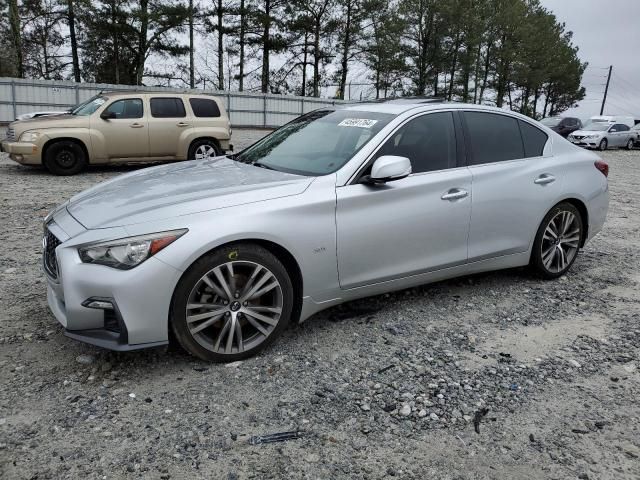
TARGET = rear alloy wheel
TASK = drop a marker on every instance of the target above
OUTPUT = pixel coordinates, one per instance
(65, 158)
(232, 303)
(557, 241)
(202, 149)
(603, 144)
(629, 145)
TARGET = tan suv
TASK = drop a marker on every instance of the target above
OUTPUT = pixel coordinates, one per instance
(117, 127)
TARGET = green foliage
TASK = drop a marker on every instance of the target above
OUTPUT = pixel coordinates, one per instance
(510, 53)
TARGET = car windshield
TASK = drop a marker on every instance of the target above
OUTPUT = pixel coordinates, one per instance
(599, 126)
(317, 143)
(550, 121)
(90, 106)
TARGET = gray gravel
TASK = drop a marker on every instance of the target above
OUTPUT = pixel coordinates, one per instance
(391, 386)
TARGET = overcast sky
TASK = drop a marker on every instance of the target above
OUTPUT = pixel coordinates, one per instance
(608, 33)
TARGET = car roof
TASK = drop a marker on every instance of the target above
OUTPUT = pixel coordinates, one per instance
(118, 93)
(396, 107)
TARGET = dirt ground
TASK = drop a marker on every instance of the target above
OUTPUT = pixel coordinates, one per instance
(493, 376)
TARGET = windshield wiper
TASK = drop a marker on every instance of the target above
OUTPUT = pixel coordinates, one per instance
(262, 165)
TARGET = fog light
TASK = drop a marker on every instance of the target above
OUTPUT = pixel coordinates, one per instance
(97, 303)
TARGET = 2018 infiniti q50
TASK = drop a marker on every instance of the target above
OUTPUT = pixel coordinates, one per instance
(333, 206)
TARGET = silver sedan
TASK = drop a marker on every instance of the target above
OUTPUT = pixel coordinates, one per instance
(334, 206)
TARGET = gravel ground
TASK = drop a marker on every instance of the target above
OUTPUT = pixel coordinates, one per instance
(391, 386)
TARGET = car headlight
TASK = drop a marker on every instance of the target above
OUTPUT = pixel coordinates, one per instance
(126, 253)
(30, 136)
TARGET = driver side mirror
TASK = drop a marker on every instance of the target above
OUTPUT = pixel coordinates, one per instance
(388, 168)
(107, 115)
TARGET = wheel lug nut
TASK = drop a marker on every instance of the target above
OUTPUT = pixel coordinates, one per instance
(225, 302)
(236, 295)
(245, 303)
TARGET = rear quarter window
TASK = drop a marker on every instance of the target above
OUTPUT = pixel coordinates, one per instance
(204, 107)
(533, 139)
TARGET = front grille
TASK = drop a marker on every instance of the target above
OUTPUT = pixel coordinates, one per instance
(50, 242)
(578, 137)
(11, 135)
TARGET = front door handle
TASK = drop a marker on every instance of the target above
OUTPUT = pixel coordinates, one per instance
(454, 194)
(136, 125)
(182, 124)
(544, 179)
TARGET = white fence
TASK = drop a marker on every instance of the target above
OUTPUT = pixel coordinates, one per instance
(18, 96)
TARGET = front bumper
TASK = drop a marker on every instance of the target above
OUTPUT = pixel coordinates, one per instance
(141, 297)
(22, 152)
(585, 142)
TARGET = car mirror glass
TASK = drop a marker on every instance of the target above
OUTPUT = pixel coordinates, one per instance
(106, 115)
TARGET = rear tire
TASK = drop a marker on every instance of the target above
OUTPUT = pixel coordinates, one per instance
(201, 149)
(557, 241)
(603, 144)
(218, 310)
(65, 158)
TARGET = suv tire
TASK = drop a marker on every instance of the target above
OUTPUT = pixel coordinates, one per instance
(65, 158)
(203, 149)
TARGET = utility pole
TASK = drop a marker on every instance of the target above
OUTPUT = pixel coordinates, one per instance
(606, 90)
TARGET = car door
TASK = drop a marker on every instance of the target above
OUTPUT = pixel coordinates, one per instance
(613, 135)
(623, 134)
(514, 183)
(413, 225)
(168, 124)
(124, 129)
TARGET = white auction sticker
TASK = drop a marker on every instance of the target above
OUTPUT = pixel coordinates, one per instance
(357, 122)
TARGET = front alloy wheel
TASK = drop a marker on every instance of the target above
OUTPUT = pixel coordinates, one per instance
(238, 301)
(557, 241)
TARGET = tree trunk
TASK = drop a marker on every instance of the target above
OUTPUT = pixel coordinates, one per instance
(71, 19)
(116, 44)
(485, 77)
(220, 48)
(345, 51)
(266, 43)
(16, 37)
(142, 40)
(243, 20)
(316, 59)
(454, 64)
(304, 64)
(192, 83)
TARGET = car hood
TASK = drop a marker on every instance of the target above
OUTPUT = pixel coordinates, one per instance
(50, 121)
(180, 189)
(588, 132)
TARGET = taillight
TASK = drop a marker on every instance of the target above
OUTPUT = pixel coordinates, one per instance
(603, 167)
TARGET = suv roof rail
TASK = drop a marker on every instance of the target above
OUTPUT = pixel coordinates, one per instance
(412, 99)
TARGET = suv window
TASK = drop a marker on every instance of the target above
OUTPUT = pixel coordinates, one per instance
(533, 138)
(127, 108)
(493, 137)
(429, 141)
(203, 107)
(167, 107)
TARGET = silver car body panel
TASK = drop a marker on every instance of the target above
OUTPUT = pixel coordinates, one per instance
(349, 240)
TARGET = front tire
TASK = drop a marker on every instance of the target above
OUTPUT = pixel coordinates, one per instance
(557, 241)
(232, 303)
(65, 158)
(629, 145)
(202, 149)
(603, 144)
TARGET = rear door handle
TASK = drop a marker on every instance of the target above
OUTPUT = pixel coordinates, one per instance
(454, 194)
(136, 125)
(182, 124)
(544, 179)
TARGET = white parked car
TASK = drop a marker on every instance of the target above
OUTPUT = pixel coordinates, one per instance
(602, 135)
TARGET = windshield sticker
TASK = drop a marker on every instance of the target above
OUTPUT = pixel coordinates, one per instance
(357, 122)
(99, 101)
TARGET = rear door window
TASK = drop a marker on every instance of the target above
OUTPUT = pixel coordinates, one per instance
(204, 107)
(493, 137)
(533, 138)
(429, 141)
(167, 107)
